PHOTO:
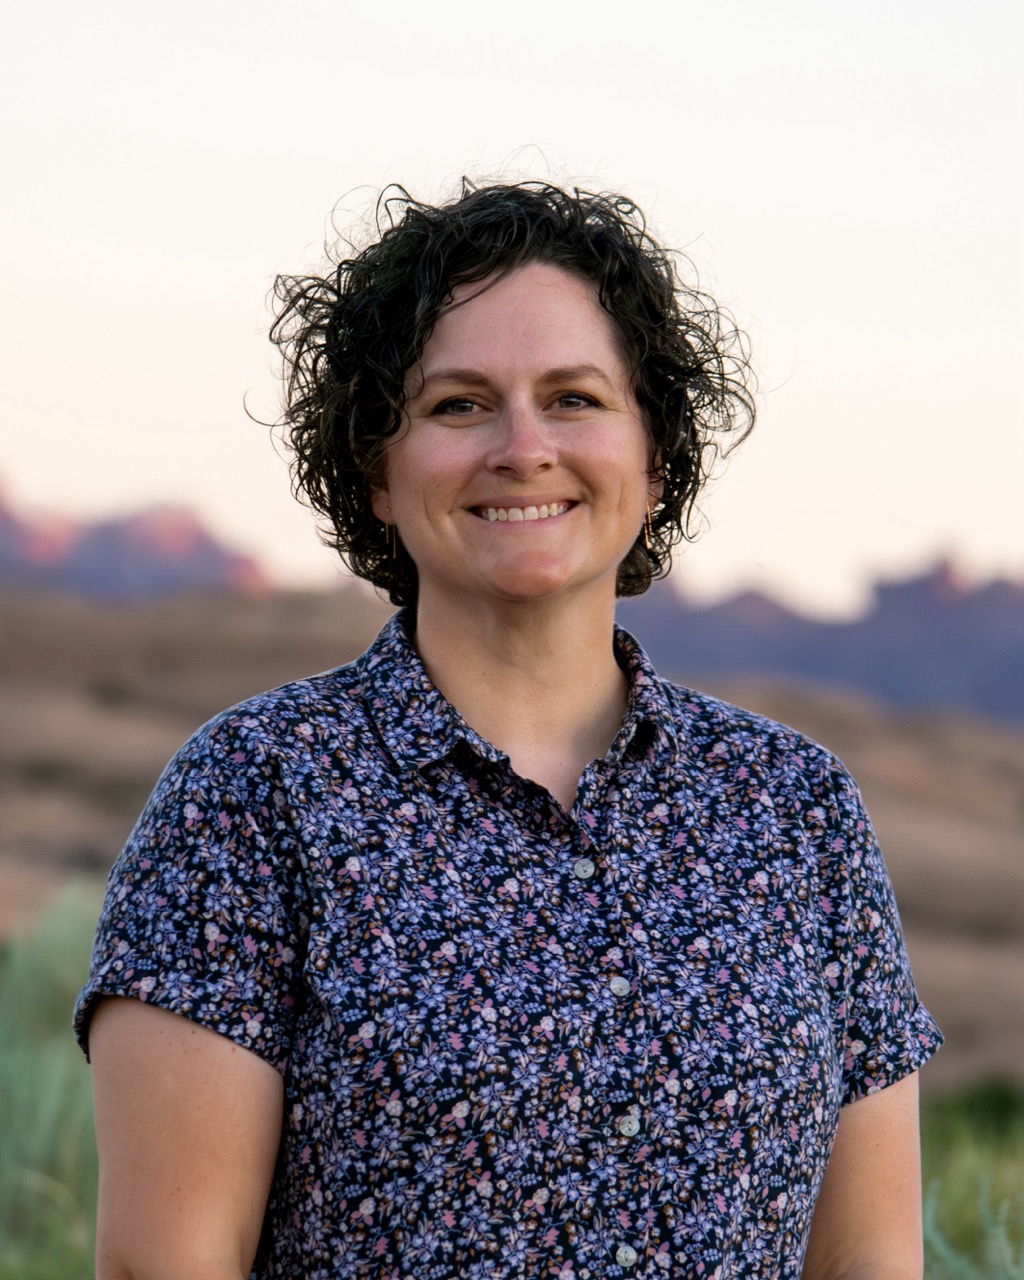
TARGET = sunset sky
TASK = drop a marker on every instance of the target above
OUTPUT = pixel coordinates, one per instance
(846, 178)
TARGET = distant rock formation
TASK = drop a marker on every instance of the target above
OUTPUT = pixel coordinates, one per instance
(927, 641)
(161, 551)
(931, 641)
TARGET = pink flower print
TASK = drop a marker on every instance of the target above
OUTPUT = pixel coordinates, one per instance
(539, 1198)
(143, 987)
(213, 935)
(670, 1083)
(365, 1211)
(457, 1114)
(364, 1035)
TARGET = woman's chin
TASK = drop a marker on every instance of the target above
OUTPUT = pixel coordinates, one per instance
(538, 586)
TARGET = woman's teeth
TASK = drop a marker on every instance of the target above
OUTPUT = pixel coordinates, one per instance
(524, 513)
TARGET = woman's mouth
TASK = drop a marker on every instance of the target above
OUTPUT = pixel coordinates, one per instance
(544, 511)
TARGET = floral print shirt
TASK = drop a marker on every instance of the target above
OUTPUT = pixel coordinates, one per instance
(518, 1042)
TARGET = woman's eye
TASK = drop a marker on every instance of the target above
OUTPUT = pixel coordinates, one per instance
(576, 400)
(456, 406)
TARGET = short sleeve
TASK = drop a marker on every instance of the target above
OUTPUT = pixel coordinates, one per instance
(204, 913)
(883, 1032)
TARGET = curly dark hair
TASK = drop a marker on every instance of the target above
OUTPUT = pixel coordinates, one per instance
(348, 339)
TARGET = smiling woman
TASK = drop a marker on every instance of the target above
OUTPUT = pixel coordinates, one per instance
(352, 338)
(521, 403)
(494, 953)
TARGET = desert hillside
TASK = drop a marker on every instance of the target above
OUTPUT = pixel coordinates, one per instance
(95, 698)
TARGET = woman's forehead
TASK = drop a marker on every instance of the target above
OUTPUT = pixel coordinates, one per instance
(536, 306)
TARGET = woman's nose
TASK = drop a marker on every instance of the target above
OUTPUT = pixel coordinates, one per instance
(523, 442)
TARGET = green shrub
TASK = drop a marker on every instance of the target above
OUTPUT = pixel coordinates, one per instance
(972, 1149)
(47, 1157)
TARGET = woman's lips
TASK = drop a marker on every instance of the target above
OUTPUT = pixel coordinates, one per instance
(514, 515)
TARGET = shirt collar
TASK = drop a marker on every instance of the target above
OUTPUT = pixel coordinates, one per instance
(650, 720)
(419, 725)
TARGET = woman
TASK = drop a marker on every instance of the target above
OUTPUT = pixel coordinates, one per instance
(492, 953)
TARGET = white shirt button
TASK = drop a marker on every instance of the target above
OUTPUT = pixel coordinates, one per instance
(583, 868)
(628, 1126)
(625, 1255)
(619, 986)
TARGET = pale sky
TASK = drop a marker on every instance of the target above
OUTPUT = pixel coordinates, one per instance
(847, 179)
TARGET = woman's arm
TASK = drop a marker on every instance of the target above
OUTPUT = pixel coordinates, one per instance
(187, 1126)
(867, 1222)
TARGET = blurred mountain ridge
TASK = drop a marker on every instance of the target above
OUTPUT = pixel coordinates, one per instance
(146, 555)
(933, 640)
(928, 641)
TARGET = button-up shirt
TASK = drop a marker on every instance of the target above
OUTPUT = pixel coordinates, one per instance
(516, 1041)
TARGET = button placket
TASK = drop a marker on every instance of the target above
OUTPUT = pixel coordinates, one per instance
(627, 1200)
(629, 1126)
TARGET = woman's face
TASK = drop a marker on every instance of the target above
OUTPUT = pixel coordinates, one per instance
(522, 470)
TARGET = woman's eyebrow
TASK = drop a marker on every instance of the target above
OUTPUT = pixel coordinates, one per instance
(574, 372)
(474, 378)
(465, 377)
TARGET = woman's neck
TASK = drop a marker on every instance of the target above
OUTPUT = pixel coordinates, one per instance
(541, 686)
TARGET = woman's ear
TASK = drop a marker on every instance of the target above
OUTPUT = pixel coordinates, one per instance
(380, 501)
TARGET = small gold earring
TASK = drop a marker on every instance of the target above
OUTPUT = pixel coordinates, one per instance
(648, 529)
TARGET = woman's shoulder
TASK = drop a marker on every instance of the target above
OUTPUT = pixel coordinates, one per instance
(333, 710)
(325, 711)
(719, 732)
(705, 726)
